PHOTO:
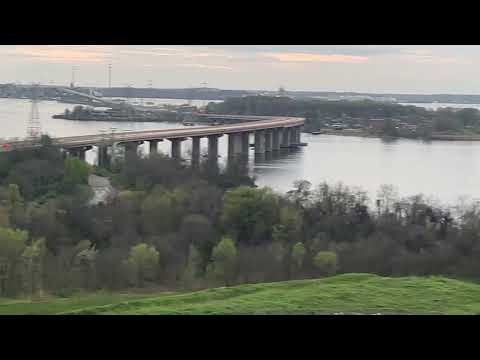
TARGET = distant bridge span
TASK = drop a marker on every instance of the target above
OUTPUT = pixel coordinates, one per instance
(271, 134)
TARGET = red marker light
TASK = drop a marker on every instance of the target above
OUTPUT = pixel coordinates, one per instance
(5, 147)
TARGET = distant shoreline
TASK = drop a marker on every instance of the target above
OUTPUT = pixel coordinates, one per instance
(441, 137)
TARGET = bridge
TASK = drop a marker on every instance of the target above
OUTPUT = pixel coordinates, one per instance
(270, 133)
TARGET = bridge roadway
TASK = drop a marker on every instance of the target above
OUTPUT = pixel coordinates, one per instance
(271, 133)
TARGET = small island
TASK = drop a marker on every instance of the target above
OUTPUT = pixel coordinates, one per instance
(363, 118)
(123, 113)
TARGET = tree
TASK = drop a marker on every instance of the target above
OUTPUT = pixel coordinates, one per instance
(249, 214)
(84, 261)
(143, 262)
(192, 269)
(76, 173)
(298, 256)
(162, 210)
(387, 195)
(198, 231)
(12, 244)
(33, 257)
(390, 129)
(301, 192)
(223, 261)
(326, 262)
(289, 226)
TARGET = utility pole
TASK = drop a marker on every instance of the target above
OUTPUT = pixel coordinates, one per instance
(109, 76)
(72, 84)
(190, 95)
(205, 88)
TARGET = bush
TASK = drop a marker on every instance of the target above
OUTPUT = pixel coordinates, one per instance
(326, 262)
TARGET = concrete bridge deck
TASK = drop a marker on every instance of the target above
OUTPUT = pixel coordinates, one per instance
(271, 134)
(121, 137)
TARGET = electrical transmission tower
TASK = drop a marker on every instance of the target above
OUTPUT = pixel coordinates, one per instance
(204, 88)
(34, 129)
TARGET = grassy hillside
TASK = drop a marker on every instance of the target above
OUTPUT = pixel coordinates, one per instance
(350, 293)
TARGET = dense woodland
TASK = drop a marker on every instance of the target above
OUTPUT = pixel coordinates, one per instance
(319, 112)
(172, 227)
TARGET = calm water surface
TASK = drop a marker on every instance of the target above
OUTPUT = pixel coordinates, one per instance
(442, 170)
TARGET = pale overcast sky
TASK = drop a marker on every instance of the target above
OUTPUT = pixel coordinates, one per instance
(361, 68)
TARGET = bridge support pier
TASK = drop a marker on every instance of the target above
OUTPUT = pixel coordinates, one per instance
(245, 143)
(259, 141)
(235, 145)
(268, 140)
(298, 132)
(195, 151)
(131, 148)
(154, 146)
(79, 152)
(276, 133)
(213, 146)
(177, 148)
(103, 156)
(286, 138)
(294, 137)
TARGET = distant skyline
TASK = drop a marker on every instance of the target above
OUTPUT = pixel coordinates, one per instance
(422, 69)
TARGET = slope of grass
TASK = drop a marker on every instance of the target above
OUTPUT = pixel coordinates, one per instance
(58, 305)
(349, 294)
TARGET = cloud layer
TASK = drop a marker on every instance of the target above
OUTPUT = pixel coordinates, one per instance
(379, 68)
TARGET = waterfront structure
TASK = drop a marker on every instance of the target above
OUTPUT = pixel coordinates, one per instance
(270, 134)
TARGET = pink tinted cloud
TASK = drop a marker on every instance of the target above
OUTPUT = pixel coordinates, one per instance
(62, 54)
(309, 57)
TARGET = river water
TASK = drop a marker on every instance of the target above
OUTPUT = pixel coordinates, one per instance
(442, 170)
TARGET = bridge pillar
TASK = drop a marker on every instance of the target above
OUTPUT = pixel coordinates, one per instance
(213, 146)
(79, 152)
(235, 145)
(259, 141)
(154, 146)
(293, 137)
(177, 148)
(131, 148)
(299, 134)
(276, 133)
(103, 157)
(245, 143)
(286, 138)
(268, 140)
(212, 159)
(195, 151)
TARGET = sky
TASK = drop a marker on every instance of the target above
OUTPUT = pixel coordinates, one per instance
(426, 69)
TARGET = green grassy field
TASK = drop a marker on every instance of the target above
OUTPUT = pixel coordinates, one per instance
(348, 294)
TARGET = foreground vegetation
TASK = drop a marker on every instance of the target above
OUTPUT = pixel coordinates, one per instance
(176, 228)
(346, 294)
